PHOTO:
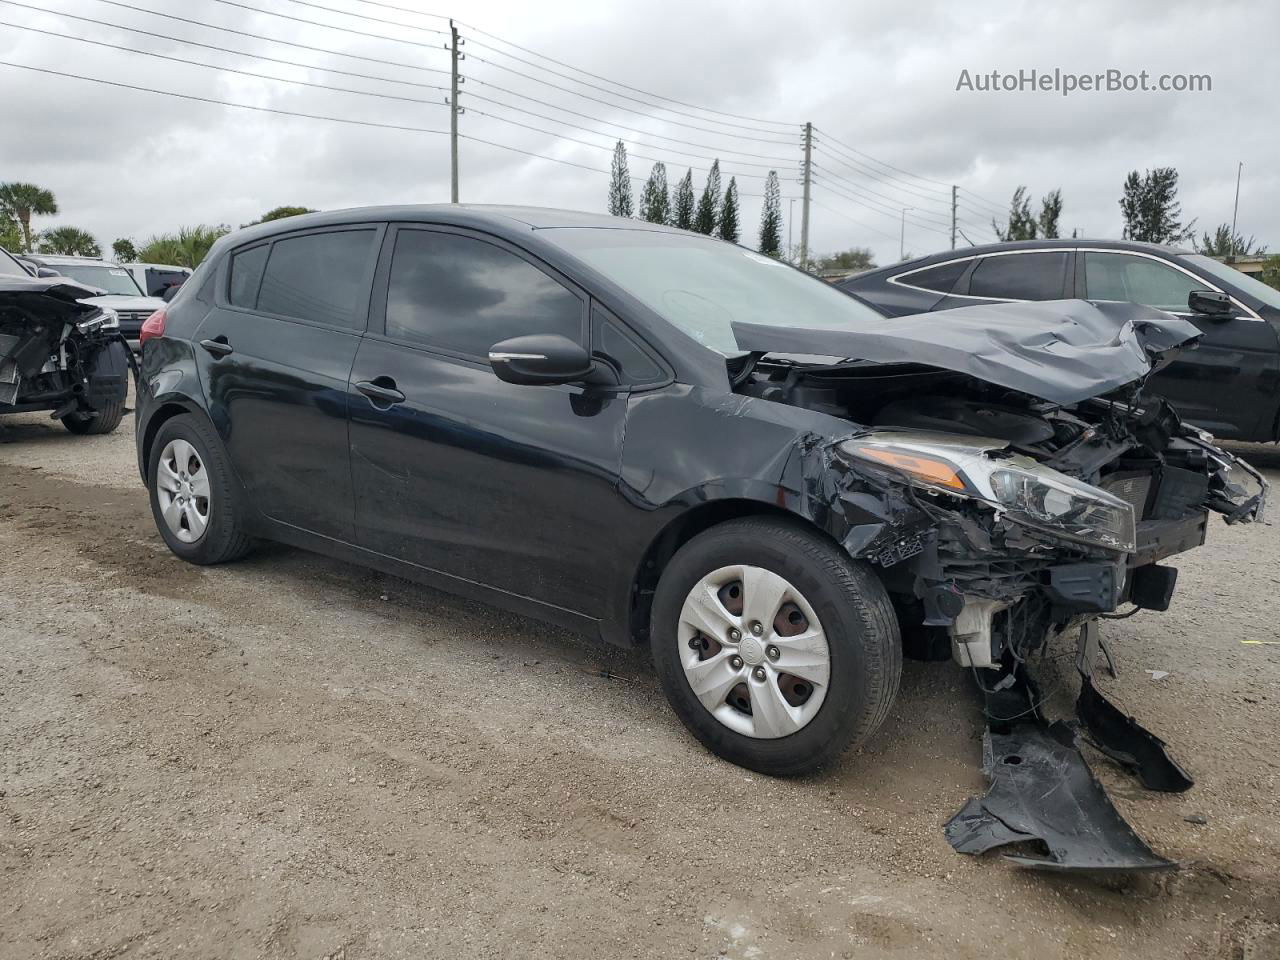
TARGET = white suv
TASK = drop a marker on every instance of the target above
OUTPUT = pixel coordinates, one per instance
(123, 294)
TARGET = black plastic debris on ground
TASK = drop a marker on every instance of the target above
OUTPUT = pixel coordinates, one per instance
(1040, 787)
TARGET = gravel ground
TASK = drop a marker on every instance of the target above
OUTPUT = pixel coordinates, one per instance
(294, 757)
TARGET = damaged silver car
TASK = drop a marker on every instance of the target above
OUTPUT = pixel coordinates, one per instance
(654, 437)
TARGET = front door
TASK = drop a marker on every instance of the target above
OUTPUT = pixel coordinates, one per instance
(274, 355)
(1226, 383)
(508, 486)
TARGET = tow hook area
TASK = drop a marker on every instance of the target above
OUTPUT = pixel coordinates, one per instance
(1041, 788)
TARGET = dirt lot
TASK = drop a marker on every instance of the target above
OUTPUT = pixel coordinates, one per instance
(292, 757)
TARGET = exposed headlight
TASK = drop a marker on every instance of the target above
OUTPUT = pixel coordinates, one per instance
(1017, 486)
(108, 319)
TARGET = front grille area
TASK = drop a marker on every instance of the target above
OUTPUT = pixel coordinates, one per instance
(131, 320)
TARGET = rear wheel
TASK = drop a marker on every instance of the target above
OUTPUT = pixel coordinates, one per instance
(775, 648)
(193, 494)
(106, 419)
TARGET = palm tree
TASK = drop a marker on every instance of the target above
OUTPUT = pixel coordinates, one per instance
(21, 201)
(70, 242)
(187, 248)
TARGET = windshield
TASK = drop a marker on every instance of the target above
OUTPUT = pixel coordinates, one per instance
(111, 278)
(702, 286)
(1242, 281)
(10, 267)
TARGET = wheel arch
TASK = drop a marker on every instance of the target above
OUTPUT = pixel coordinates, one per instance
(679, 531)
(166, 411)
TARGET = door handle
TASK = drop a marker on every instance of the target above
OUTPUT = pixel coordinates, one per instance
(218, 346)
(381, 391)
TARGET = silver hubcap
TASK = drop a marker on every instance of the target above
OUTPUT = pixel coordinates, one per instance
(754, 652)
(182, 484)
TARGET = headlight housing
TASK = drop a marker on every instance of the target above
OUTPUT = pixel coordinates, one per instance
(108, 319)
(1025, 491)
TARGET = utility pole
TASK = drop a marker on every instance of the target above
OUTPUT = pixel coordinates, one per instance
(791, 215)
(454, 110)
(804, 203)
(953, 216)
(1235, 210)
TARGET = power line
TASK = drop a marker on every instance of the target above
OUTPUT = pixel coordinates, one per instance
(618, 106)
(363, 16)
(221, 103)
(550, 59)
(882, 163)
(890, 183)
(876, 207)
(850, 185)
(866, 226)
(603, 133)
(598, 146)
(256, 36)
(208, 46)
(329, 26)
(979, 197)
(210, 66)
(618, 126)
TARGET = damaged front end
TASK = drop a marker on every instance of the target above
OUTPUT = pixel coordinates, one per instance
(58, 353)
(1000, 522)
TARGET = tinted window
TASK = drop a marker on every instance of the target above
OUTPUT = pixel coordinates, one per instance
(159, 280)
(1020, 276)
(1118, 276)
(104, 276)
(465, 295)
(246, 275)
(941, 278)
(320, 276)
(10, 267)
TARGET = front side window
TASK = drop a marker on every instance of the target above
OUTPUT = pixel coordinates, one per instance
(464, 295)
(1122, 276)
(319, 276)
(1020, 276)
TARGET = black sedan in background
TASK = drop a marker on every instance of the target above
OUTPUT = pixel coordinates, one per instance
(1229, 385)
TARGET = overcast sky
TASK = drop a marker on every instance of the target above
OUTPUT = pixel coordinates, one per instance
(878, 78)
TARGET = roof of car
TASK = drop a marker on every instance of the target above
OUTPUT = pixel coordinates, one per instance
(158, 266)
(1015, 245)
(462, 214)
(55, 258)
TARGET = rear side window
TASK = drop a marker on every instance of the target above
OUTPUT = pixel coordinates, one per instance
(464, 295)
(940, 279)
(319, 276)
(246, 276)
(1020, 276)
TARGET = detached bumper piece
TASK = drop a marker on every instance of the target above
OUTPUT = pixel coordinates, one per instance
(1041, 788)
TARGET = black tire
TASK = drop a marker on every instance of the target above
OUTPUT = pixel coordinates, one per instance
(109, 416)
(855, 613)
(224, 539)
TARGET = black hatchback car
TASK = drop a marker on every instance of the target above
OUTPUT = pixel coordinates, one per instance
(656, 437)
(1230, 384)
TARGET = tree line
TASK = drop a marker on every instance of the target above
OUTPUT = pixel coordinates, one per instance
(20, 203)
(716, 212)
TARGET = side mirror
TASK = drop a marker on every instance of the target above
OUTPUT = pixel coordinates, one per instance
(1210, 303)
(46, 272)
(540, 359)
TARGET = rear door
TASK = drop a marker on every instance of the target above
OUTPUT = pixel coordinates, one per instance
(1226, 383)
(512, 487)
(275, 354)
(1013, 277)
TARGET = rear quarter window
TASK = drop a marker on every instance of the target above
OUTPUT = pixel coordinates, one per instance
(940, 278)
(246, 276)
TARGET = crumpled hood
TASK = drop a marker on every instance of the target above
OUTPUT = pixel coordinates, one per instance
(1063, 351)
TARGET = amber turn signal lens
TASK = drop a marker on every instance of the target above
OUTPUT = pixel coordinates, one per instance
(939, 473)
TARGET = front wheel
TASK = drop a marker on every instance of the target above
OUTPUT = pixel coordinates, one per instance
(104, 420)
(775, 648)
